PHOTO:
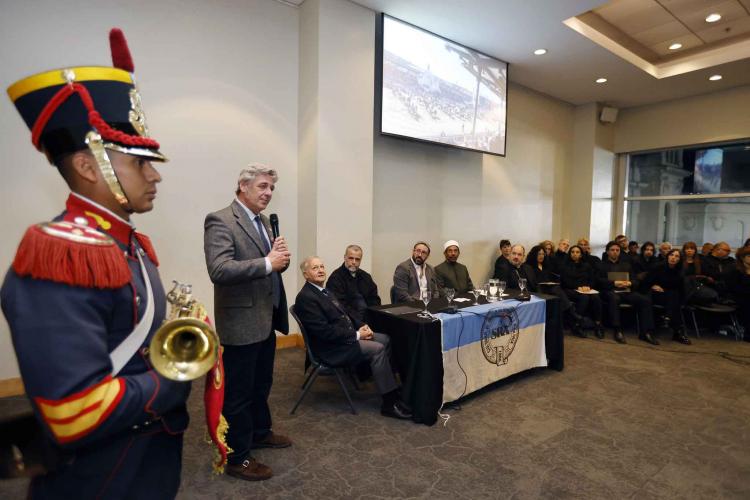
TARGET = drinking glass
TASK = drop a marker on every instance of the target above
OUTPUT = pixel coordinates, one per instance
(493, 287)
(522, 285)
(426, 296)
(500, 289)
(449, 294)
(476, 292)
(488, 293)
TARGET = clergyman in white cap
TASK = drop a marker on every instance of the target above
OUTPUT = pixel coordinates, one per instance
(452, 274)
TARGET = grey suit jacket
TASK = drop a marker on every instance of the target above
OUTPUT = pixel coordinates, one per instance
(406, 285)
(243, 293)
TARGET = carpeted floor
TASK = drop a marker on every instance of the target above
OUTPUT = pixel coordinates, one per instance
(621, 421)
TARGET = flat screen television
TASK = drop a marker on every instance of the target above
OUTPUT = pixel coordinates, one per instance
(435, 90)
(708, 163)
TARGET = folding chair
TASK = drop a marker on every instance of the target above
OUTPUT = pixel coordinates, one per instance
(318, 367)
(716, 309)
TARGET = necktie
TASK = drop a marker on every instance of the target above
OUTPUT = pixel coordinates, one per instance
(274, 275)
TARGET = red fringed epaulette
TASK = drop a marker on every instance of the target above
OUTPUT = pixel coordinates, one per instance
(217, 426)
(146, 244)
(64, 252)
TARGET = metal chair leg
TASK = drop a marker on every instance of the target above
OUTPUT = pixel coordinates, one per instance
(337, 371)
(637, 322)
(695, 324)
(306, 388)
(308, 377)
(738, 335)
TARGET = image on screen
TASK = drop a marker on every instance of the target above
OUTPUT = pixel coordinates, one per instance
(439, 91)
(708, 164)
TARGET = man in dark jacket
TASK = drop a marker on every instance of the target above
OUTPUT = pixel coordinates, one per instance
(353, 288)
(450, 273)
(517, 270)
(717, 265)
(339, 340)
(615, 291)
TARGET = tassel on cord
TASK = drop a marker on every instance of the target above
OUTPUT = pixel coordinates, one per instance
(148, 247)
(217, 426)
(47, 257)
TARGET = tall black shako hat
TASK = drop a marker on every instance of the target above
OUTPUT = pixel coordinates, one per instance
(92, 107)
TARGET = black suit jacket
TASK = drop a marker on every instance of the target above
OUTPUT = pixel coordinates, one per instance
(355, 293)
(331, 332)
(511, 275)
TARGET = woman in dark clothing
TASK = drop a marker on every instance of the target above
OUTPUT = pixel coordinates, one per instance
(538, 261)
(738, 284)
(643, 264)
(667, 284)
(577, 279)
(697, 284)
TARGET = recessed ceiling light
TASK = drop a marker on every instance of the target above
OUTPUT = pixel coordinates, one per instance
(712, 18)
(601, 80)
(675, 46)
(540, 52)
(714, 78)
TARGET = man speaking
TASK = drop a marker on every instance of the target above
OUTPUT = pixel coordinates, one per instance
(245, 264)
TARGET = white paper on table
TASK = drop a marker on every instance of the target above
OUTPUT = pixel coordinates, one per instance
(461, 299)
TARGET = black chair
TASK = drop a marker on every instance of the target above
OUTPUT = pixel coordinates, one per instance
(624, 306)
(318, 368)
(716, 309)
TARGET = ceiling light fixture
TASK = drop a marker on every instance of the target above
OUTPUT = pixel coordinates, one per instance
(712, 18)
(540, 52)
(714, 78)
(675, 46)
(601, 80)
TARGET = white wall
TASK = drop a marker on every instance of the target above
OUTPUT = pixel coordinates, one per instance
(219, 86)
(433, 193)
(720, 116)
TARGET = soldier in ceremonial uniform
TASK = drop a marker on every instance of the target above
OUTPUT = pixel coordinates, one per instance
(83, 296)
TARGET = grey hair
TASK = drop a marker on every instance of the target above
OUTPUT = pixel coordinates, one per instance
(518, 245)
(254, 170)
(353, 247)
(305, 263)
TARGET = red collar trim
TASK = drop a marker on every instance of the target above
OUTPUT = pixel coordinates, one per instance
(80, 211)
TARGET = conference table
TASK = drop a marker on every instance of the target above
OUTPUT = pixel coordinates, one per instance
(420, 347)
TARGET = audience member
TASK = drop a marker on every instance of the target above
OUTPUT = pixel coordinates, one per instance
(502, 263)
(747, 243)
(666, 283)
(414, 274)
(738, 284)
(539, 263)
(548, 247)
(623, 289)
(664, 248)
(561, 255)
(717, 265)
(452, 274)
(706, 249)
(340, 340)
(353, 288)
(591, 260)
(633, 249)
(645, 261)
(697, 286)
(578, 279)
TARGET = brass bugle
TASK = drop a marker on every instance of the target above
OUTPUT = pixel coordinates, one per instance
(185, 347)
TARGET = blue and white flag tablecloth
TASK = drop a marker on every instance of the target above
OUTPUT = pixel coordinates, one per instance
(488, 342)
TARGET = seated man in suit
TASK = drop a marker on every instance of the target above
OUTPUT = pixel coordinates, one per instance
(353, 287)
(339, 340)
(414, 274)
(450, 273)
(519, 270)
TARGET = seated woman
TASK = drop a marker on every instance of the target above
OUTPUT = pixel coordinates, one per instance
(645, 261)
(577, 280)
(539, 262)
(738, 283)
(667, 284)
(698, 285)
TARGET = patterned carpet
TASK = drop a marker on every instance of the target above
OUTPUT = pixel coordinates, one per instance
(622, 421)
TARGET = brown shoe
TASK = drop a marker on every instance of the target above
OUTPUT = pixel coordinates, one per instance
(272, 440)
(249, 470)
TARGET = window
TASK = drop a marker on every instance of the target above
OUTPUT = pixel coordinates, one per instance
(697, 193)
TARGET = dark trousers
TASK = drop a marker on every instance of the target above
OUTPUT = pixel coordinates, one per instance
(640, 302)
(378, 353)
(143, 464)
(672, 302)
(586, 305)
(248, 370)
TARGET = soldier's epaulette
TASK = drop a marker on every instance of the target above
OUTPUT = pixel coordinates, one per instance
(147, 246)
(68, 253)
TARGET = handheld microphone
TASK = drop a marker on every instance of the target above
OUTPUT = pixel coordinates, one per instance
(274, 225)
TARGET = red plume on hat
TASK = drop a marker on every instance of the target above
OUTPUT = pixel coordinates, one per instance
(121, 57)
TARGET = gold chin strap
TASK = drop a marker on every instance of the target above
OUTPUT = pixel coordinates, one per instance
(96, 146)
